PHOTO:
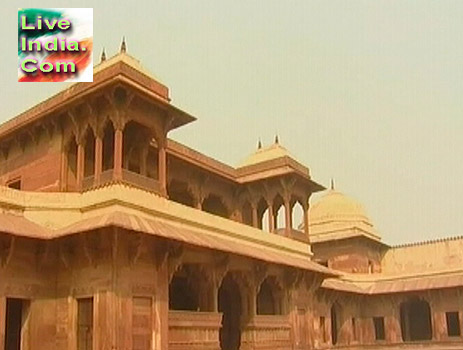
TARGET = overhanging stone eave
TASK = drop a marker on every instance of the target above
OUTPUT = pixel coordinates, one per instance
(104, 78)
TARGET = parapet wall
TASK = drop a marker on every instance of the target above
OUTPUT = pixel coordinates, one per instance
(438, 255)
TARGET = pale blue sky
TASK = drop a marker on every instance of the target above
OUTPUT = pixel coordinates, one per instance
(367, 92)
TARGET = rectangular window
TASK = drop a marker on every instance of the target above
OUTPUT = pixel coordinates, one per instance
(453, 324)
(322, 328)
(142, 323)
(16, 320)
(379, 328)
(85, 324)
(15, 184)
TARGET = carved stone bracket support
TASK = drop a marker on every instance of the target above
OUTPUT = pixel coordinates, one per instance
(7, 247)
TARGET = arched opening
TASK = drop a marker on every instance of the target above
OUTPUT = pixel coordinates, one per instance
(298, 216)
(269, 299)
(178, 192)
(279, 213)
(71, 175)
(335, 322)
(213, 204)
(108, 147)
(136, 138)
(182, 293)
(262, 215)
(89, 162)
(415, 320)
(230, 306)
(247, 213)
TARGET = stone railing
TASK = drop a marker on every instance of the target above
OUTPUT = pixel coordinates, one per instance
(190, 330)
(267, 332)
(144, 182)
(140, 181)
(456, 344)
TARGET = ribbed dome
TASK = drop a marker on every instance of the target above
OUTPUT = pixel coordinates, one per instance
(336, 216)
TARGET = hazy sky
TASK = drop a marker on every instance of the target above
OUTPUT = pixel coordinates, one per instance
(367, 92)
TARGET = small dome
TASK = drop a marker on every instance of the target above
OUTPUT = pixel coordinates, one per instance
(272, 152)
(337, 216)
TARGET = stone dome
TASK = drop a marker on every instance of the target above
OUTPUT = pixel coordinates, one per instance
(337, 216)
(264, 154)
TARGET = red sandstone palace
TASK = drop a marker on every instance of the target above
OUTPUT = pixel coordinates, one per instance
(115, 237)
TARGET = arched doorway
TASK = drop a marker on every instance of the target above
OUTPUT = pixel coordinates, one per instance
(182, 293)
(415, 320)
(230, 306)
(269, 299)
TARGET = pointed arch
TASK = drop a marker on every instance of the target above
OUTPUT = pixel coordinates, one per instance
(179, 192)
(214, 204)
(269, 299)
(297, 215)
(246, 213)
(183, 295)
(89, 161)
(279, 212)
(71, 171)
(108, 146)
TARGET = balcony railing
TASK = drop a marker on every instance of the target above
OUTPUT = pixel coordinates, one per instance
(128, 177)
(194, 330)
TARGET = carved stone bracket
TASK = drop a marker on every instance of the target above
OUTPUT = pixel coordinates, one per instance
(221, 268)
(42, 252)
(66, 253)
(92, 246)
(170, 253)
(260, 274)
(136, 243)
(7, 247)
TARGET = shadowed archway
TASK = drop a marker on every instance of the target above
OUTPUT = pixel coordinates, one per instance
(230, 305)
(415, 320)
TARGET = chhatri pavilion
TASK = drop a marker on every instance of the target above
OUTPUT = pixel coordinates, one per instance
(115, 237)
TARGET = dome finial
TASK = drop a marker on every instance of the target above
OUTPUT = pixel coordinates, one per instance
(103, 55)
(123, 45)
(259, 144)
(332, 184)
(277, 139)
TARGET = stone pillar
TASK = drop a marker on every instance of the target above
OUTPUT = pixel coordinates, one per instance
(2, 322)
(143, 160)
(253, 291)
(215, 298)
(288, 218)
(162, 168)
(98, 159)
(80, 165)
(255, 217)
(118, 153)
(271, 218)
(392, 324)
(439, 326)
(306, 219)
(64, 169)
(161, 309)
